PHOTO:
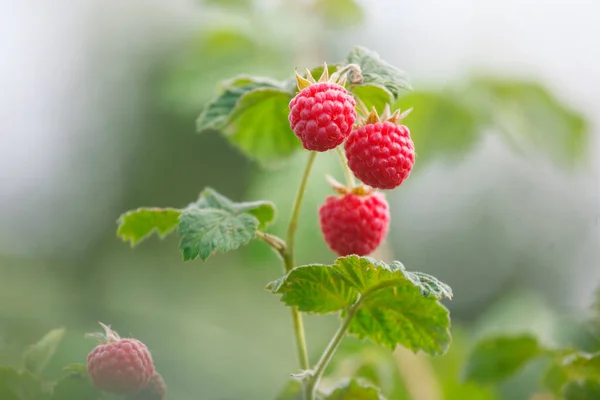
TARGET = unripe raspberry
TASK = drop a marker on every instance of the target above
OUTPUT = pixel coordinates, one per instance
(120, 366)
(322, 114)
(355, 222)
(381, 153)
(155, 390)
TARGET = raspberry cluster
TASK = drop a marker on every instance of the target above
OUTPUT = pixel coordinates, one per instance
(124, 367)
(378, 150)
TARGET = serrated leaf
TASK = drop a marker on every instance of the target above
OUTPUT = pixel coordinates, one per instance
(215, 223)
(355, 390)
(440, 125)
(582, 390)
(375, 71)
(373, 96)
(137, 225)
(16, 385)
(217, 113)
(396, 307)
(495, 359)
(75, 387)
(37, 356)
(259, 126)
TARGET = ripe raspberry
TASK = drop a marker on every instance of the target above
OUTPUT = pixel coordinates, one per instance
(322, 114)
(381, 154)
(155, 390)
(120, 366)
(355, 222)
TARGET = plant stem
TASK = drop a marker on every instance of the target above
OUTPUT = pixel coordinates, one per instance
(275, 242)
(349, 175)
(331, 348)
(288, 260)
(291, 233)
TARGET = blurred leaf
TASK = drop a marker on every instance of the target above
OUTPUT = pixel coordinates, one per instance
(439, 125)
(260, 126)
(582, 390)
(20, 386)
(37, 357)
(529, 116)
(373, 96)
(291, 391)
(396, 306)
(355, 390)
(217, 113)
(137, 225)
(339, 13)
(75, 387)
(215, 223)
(495, 359)
(375, 71)
(78, 369)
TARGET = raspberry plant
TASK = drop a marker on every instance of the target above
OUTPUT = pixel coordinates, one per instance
(269, 121)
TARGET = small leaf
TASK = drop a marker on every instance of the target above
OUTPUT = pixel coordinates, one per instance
(495, 359)
(37, 356)
(355, 390)
(395, 307)
(582, 390)
(373, 96)
(20, 386)
(259, 126)
(215, 223)
(75, 387)
(375, 71)
(137, 225)
(217, 113)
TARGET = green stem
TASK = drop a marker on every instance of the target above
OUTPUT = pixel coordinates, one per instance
(291, 233)
(288, 260)
(347, 172)
(333, 345)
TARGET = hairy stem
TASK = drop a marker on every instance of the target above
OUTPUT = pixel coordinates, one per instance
(288, 260)
(332, 347)
(347, 172)
(275, 242)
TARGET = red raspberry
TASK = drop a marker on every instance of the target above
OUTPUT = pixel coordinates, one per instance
(120, 366)
(322, 115)
(155, 390)
(355, 223)
(381, 154)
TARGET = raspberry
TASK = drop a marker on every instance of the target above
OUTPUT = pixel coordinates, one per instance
(120, 366)
(355, 222)
(155, 390)
(322, 114)
(381, 154)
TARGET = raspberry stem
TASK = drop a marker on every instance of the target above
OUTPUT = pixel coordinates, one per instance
(347, 172)
(288, 260)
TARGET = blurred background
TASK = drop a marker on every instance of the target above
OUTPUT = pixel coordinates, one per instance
(97, 113)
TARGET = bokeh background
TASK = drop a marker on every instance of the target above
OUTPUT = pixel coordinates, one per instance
(97, 113)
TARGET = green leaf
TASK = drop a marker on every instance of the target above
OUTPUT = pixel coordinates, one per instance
(582, 390)
(529, 116)
(373, 96)
(217, 113)
(75, 387)
(293, 391)
(20, 386)
(355, 390)
(377, 72)
(396, 307)
(259, 126)
(77, 369)
(137, 225)
(215, 223)
(37, 356)
(497, 358)
(340, 13)
(440, 125)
